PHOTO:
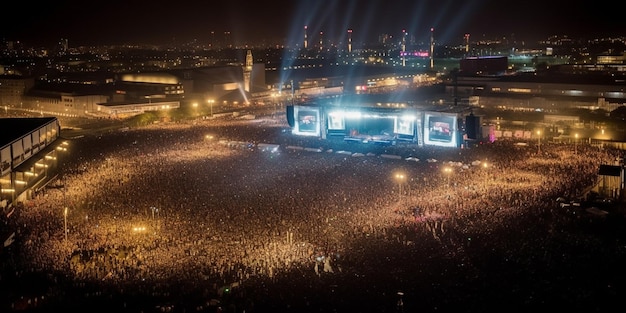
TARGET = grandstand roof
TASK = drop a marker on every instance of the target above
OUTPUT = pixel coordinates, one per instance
(14, 128)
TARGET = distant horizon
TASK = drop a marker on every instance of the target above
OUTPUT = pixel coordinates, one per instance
(282, 22)
(512, 39)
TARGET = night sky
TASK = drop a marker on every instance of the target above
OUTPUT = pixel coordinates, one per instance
(282, 21)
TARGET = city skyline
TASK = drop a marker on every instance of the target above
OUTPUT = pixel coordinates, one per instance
(283, 22)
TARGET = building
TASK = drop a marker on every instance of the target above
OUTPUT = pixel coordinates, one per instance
(63, 99)
(29, 152)
(247, 71)
(13, 88)
(611, 181)
(489, 65)
(561, 87)
(227, 85)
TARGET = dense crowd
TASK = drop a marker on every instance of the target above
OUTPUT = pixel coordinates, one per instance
(173, 217)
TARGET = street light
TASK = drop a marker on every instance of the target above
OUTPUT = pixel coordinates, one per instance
(65, 222)
(274, 98)
(210, 101)
(400, 177)
(447, 170)
(538, 141)
(8, 190)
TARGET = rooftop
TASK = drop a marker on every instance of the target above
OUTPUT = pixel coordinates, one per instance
(14, 128)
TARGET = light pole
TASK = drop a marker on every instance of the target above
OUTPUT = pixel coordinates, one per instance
(447, 170)
(210, 101)
(400, 178)
(576, 144)
(538, 141)
(65, 222)
(275, 102)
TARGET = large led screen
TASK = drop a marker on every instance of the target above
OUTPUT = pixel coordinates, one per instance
(405, 126)
(307, 120)
(368, 127)
(440, 129)
(336, 121)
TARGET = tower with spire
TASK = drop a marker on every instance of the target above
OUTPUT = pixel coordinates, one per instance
(247, 71)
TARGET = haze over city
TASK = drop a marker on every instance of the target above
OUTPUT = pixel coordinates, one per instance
(282, 22)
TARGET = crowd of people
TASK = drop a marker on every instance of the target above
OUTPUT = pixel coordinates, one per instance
(172, 217)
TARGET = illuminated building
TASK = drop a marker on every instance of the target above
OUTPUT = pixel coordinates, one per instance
(29, 151)
(13, 88)
(488, 65)
(487, 81)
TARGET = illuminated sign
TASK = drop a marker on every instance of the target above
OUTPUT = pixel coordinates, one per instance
(419, 54)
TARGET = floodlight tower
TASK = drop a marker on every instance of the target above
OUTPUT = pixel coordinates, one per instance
(227, 39)
(321, 41)
(349, 40)
(432, 47)
(306, 40)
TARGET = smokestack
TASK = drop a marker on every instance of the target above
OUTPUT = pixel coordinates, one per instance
(306, 40)
(321, 41)
(349, 40)
(432, 47)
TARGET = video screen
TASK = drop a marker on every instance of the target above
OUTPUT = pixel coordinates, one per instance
(371, 129)
(307, 121)
(336, 121)
(405, 126)
(440, 130)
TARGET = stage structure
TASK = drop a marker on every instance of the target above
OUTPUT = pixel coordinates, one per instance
(379, 124)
